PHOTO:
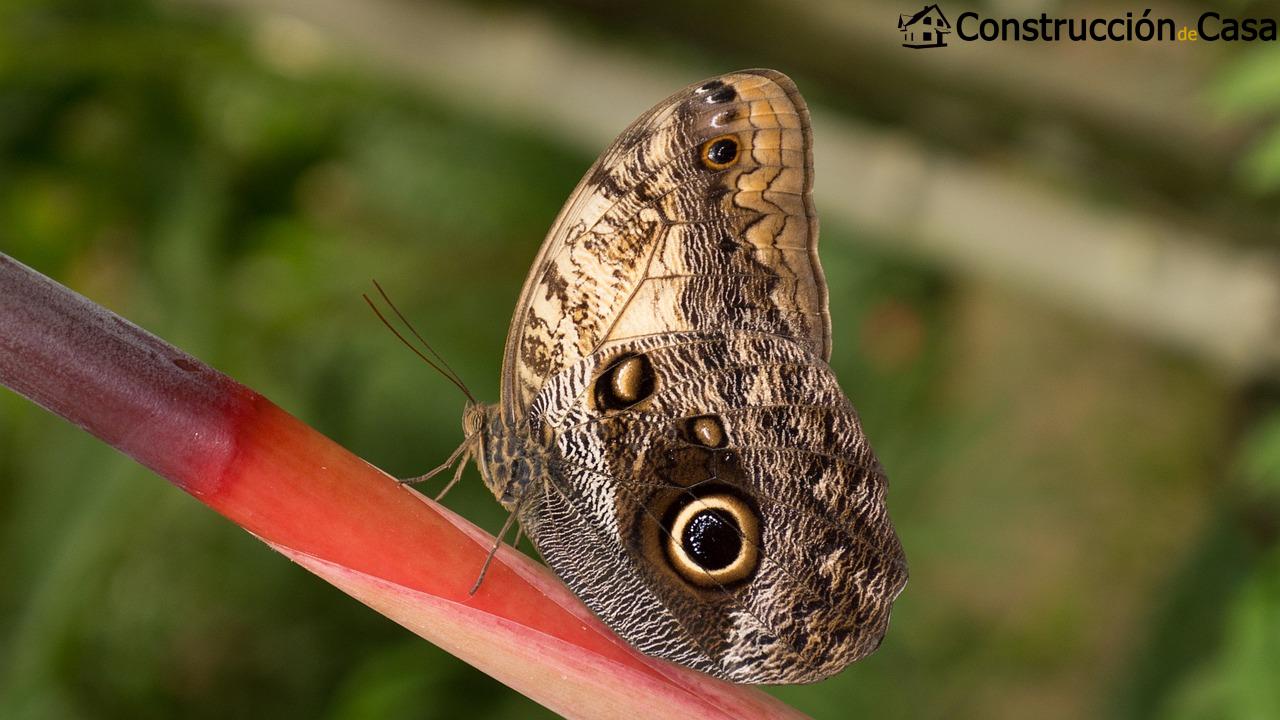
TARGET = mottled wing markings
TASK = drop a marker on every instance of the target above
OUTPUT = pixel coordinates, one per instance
(846, 534)
(599, 570)
(730, 596)
(645, 241)
(689, 250)
(757, 422)
(822, 598)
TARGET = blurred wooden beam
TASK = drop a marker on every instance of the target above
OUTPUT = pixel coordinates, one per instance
(1195, 293)
(1126, 90)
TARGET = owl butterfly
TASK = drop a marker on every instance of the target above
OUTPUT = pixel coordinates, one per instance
(670, 435)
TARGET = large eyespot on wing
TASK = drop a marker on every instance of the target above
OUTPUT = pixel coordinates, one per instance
(733, 518)
(698, 217)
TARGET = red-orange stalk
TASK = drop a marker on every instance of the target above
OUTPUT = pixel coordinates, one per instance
(407, 557)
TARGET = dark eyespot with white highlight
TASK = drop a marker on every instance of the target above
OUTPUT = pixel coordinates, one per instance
(724, 118)
(713, 540)
(720, 152)
(722, 95)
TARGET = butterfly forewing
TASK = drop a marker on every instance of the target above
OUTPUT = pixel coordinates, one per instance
(658, 238)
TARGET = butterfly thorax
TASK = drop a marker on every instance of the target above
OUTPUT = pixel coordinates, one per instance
(509, 458)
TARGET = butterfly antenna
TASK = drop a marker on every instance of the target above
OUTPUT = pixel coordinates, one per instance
(448, 374)
(414, 330)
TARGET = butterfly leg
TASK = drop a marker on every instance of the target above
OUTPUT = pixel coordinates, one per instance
(497, 543)
(464, 451)
(457, 473)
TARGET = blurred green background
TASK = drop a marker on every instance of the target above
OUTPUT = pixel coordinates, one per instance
(1084, 452)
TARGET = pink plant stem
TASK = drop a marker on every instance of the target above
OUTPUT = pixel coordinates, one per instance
(335, 514)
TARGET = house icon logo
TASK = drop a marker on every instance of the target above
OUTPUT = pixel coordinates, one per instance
(926, 29)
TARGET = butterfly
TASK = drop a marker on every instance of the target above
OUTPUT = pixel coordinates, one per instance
(670, 435)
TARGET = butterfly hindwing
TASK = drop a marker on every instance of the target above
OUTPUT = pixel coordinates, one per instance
(788, 445)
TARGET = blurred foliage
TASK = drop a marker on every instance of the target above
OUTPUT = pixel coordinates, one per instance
(1250, 88)
(1077, 548)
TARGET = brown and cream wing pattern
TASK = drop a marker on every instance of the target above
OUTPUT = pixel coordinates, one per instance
(698, 217)
(823, 564)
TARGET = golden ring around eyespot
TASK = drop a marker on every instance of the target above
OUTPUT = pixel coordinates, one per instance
(720, 152)
(749, 532)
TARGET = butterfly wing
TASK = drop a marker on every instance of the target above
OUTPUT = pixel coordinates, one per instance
(822, 564)
(659, 238)
(705, 486)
